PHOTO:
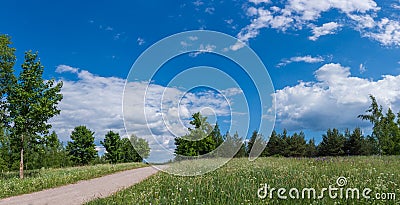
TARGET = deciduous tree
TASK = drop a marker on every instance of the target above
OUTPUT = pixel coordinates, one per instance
(31, 102)
(141, 146)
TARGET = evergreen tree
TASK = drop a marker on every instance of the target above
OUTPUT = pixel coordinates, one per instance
(311, 149)
(354, 142)
(127, 152)
(297, 145)
(369, 146)
(284, 143)
(227, 150)
(251, 142)
(82, 148)
(390, 134)
(239, 146)
(56, 154)
(332, 144)
(112, 144)
(216, 135)
(256, 145)
(274, 146)
(385, 128)
(375, 117)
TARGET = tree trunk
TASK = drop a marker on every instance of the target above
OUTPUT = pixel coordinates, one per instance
(21, 162)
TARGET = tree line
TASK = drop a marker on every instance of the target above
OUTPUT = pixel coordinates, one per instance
(27, 103)
(384, 140)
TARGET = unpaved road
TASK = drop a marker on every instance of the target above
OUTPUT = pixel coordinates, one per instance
(83, 191)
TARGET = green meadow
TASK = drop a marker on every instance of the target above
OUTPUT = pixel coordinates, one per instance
(239, 181)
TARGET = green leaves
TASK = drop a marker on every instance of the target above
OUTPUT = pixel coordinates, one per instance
(7, 78)
(27, 102)
(119, 150)
(332, 143)
(201, 140)
(141, 146)
(82, 148)
(32, 100)
(385, 128)
(112, 144)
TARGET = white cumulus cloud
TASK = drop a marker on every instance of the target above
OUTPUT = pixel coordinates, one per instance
(335, 99)
(388, 32)
(325, 29)
(363, 16)
(96, 102)
(66, 68)
(306, 59)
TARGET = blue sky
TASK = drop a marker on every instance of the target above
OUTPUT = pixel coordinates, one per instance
(324, 57)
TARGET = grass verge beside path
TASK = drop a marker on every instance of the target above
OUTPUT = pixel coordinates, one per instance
(238, 181)
(37, 180)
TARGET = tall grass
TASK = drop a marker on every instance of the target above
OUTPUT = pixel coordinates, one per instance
(238, 182)
(36, 180)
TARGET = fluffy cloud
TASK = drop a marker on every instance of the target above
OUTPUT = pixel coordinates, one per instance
(66, 68)
(325, 29)
(297, 14)
(306, 59)
(260, 1)
(93, 101)
(388, 32)
(96, 102)
(334, 100)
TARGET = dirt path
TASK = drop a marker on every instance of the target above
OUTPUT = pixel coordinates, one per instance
(83, 191)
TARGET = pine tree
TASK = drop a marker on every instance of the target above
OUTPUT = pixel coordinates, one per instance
(332, 144)
(375, 117)
(297, 145)
(112, 143)
(354, 142)
(82, 148)
(274, 145)
(369, 146)
(127, 152)
(256, 146)
(251, 142)
(216, 135)
(390, 134)
(311, 148)
(385, 128)
(239, 146)
(54, 145)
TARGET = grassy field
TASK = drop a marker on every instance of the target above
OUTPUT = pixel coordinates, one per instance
(36, 180)
(239, 181)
